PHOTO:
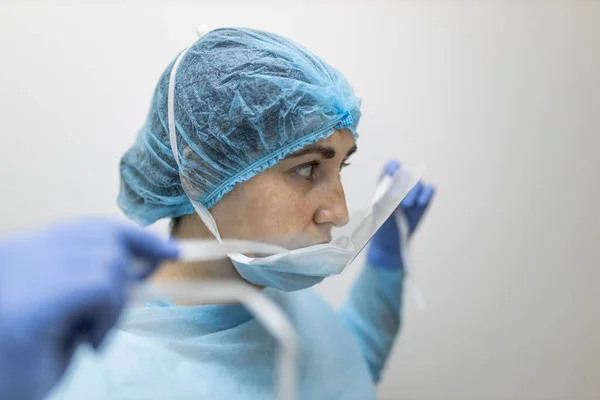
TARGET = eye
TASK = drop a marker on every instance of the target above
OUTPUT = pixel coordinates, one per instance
(306, 171)
(345, 164)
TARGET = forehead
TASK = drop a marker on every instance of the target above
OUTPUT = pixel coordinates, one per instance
(339, 138)
(339, 143)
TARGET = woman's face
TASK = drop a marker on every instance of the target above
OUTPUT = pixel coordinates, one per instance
(301, 198)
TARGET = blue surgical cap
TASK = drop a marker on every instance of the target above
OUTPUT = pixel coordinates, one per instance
(244, 100)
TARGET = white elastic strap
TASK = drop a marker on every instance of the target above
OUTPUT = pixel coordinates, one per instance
(207, 218)
(204, 214)
(202, 30)
(209, 249)
(382, 188)
(264, 310)
(198, 250)
(171, 107)
(413, 288)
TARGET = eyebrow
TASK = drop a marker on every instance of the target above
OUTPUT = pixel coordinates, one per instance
(326, 152)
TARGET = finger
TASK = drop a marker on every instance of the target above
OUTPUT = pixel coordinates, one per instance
(148, 246)
(391, 167)
(412, 196)
(106, 310)
(91, 311)
(426, 195)
(142, 269)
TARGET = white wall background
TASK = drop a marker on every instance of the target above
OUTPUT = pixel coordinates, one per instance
(501, 99)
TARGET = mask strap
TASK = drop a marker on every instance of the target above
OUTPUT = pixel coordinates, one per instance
(202, 30)
(382, 188)
(202, 211)
(413, 288)
(171, 108)
(208, 219)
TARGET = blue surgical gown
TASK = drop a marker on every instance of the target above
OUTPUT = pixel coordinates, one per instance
(163, 351)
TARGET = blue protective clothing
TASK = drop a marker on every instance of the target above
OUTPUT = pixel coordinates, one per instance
(384, 249)
(244, 100)
(58, 288)
(162, 351)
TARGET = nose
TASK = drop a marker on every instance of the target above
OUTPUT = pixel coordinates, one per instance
(333, 209)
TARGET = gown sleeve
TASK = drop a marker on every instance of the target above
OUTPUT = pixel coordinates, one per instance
(373, 313)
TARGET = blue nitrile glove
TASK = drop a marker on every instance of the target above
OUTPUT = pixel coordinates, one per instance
(384, 249)
(61, 287)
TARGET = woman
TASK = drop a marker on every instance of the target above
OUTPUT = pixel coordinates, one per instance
(260, 129)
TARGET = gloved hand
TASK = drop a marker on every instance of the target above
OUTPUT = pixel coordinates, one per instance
(384, 249)
(61, 287)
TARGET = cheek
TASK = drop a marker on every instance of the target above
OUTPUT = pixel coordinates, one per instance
(263, 211)
(277, 212)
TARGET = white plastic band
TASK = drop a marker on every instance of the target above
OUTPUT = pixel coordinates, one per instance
(382, 187)
(204, 214)
(202, 30)
(209, 249)
(265, 310)
(413, 288)
(171, 107)
(207, 218)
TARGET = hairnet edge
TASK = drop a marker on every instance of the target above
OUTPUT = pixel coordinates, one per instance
(149, 217)
(264, 163)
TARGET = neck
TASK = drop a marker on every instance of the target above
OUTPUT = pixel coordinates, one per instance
(176, 270)
(192, 227)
